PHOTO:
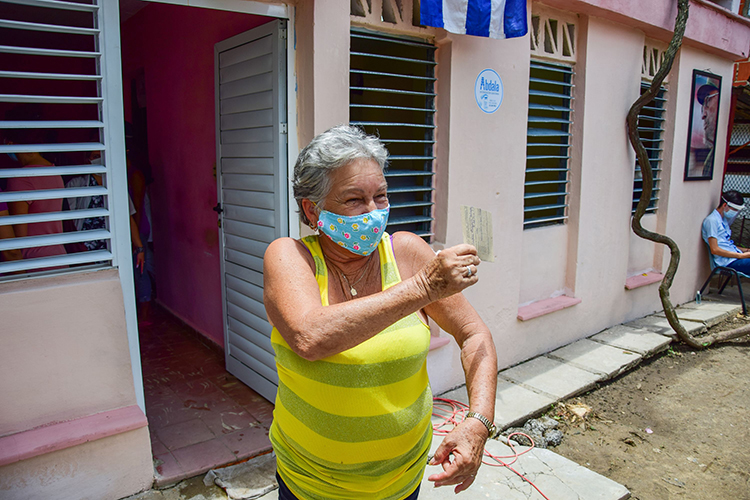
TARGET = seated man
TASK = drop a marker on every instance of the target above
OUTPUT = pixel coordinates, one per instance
(718, 235)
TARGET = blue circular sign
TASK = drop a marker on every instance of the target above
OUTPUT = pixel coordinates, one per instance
(488, 91)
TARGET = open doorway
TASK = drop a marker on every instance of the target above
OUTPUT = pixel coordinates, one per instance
(199, 415)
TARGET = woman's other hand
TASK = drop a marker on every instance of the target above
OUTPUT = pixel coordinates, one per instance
(451, 271)
(140, 260)
(466, 445)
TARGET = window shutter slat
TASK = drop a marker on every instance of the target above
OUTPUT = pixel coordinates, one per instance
(7, 173)
(57, 4)
(52, 124)
(33, 51)
(50, 148)
(52, 194)
(52, 216)
(49, 28)
(49, 99)
(55, 261)
(54, 239)
(48, 76)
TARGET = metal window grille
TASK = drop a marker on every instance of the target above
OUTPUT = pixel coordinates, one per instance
(651, 132)
(51, 61)
(392, 95)
(548, 144)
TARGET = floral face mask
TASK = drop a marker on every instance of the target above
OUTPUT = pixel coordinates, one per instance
(359, 234)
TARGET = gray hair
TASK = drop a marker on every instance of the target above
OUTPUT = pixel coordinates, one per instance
(334, 148)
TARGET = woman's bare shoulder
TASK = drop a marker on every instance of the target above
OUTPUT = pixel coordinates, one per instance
(411, 252)
(288, 251)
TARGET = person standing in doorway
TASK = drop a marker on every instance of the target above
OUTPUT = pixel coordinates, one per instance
(137, 188)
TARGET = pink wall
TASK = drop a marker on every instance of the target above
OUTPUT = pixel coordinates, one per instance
(69, 424)
(174, 46)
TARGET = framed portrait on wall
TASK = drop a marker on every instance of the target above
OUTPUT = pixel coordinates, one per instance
(704, 116)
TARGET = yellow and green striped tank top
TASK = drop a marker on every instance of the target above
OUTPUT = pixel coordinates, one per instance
(355, 425)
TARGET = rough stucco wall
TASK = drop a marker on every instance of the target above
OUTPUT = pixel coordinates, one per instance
(607, 174)
(64, 350)
(174, 46)
(106, 469)
(641, 252)
(331, 63)
(543, 272)
(304, 49)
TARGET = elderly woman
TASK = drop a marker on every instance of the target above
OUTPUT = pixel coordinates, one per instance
(349, 307)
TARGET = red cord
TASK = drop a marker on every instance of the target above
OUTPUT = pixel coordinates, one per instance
(455, 414)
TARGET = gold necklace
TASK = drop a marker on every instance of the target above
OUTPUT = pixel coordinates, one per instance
(353, 290)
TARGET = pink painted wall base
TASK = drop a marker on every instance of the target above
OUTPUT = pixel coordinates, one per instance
(644, 279)
(547, 306)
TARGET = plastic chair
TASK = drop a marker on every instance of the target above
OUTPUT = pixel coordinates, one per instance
(726, 272)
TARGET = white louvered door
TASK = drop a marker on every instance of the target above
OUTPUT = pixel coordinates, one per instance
(252, 183)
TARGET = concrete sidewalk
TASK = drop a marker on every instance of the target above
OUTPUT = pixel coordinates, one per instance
(532, 387)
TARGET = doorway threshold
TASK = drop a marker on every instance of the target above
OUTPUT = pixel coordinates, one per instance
(200, 417)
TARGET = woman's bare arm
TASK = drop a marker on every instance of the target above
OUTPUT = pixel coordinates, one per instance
(7, 232)
(456, 316)
(293, 305)
(19, 208)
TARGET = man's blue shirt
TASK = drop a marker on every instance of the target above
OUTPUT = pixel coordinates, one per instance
(715, 226)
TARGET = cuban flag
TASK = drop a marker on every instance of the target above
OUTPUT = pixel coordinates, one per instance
(490, 18)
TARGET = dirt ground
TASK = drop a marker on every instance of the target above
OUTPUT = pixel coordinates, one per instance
(675, 427)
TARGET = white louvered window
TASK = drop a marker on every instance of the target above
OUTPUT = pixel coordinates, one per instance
(392, 95)
(546, 185)
(52, 103)
(651, 132)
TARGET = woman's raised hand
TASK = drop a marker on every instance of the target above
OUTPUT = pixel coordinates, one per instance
(451, 271)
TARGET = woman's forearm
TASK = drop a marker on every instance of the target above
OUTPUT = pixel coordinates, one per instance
(325, 331)
(479, 361)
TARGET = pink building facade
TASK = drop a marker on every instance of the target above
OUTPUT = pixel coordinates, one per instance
(74, 422)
